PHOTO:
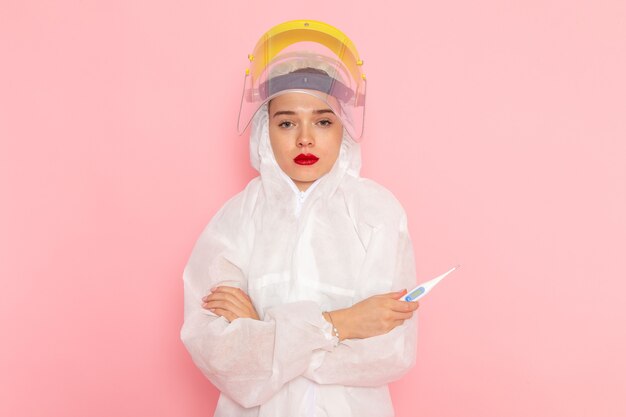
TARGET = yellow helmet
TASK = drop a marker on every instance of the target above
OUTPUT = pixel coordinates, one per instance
(310, 57)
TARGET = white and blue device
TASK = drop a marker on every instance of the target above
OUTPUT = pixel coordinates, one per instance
(424, 288)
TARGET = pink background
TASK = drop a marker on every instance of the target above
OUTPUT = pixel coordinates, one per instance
(500, 126)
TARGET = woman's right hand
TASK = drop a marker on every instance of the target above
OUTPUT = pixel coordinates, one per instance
(373, 316)
(230, 302)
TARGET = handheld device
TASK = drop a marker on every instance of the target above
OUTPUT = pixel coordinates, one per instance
(425, 287)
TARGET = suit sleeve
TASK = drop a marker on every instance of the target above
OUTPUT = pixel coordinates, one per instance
(248, 360)
(378, 360)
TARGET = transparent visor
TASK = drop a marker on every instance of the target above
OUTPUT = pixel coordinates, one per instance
(306, 59)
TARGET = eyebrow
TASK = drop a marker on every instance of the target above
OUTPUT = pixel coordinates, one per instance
(292, 113)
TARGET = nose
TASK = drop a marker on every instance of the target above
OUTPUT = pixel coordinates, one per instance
(305, 138)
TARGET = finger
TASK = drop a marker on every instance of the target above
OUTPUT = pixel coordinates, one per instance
(235, 292)
(394, 294)
(245, 303)
(228, 315)
(240, 303)
(249, 311)
(245, 295)
(403, 306)
(242, 298)
(227, 289)
(223, 296)
(399, 294)
(225, 305)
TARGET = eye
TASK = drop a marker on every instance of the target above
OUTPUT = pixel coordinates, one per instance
(286, 124)
(325, 122)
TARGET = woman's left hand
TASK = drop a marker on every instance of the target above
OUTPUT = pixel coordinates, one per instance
(231, 303)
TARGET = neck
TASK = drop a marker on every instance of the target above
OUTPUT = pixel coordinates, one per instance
(303, 186)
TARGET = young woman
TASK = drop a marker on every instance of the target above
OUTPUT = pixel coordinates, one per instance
(292, 292)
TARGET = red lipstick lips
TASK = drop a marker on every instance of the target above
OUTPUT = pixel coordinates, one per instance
(308, 159)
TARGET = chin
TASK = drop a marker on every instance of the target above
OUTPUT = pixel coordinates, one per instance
(305, 178)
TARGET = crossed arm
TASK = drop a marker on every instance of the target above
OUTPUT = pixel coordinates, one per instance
(373, 316)
(250, 359)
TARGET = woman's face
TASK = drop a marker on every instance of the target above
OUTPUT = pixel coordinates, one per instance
(305, 136)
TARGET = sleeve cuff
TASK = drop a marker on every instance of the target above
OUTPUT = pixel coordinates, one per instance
(311, 313)
(327, 328)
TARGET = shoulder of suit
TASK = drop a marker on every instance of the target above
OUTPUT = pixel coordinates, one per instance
(371, 202)
(244, 201)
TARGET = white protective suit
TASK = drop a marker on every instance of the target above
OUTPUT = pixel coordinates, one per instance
(297, 254)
